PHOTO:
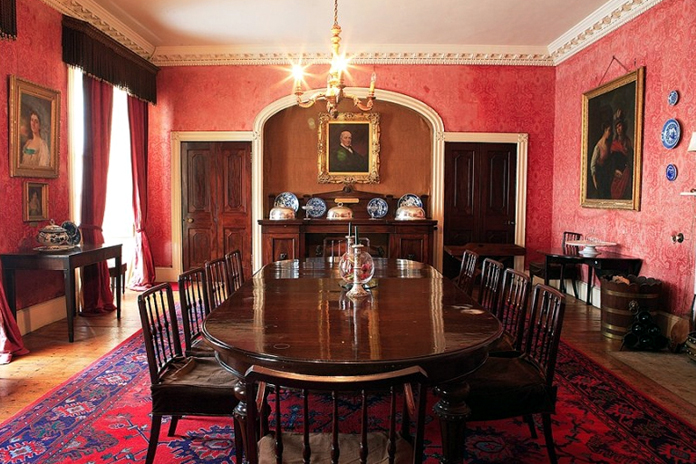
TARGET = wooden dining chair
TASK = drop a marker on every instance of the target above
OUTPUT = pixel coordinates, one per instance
(560, 272)
(512, 312)
(309, 442)
(491, 273)
(467, 271)
(180, 385)
(236, 269)
(193, 300)
(506, 387)
(217, 277)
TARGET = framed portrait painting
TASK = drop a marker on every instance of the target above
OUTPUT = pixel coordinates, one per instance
(34, 129)
(612, 140)
(349, 148)
(35, 202)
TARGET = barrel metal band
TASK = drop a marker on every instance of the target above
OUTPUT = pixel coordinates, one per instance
(645, 296)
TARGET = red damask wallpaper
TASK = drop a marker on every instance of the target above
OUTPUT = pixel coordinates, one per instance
(663, 41)
(34, 56)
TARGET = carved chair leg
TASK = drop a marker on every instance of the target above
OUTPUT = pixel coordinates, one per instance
(529, 419)
(172, 425)
(154, 438)
(548, 434)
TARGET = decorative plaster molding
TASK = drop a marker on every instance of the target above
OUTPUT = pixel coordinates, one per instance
(603, 21)
(88, 11)
(606, 19)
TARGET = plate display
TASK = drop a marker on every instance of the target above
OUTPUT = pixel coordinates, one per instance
(55, 248)
(671, 172)
(287, 200)
(410, 199)
(74, 235)
(673, 97)
(377, 208)
(671, 133)
(316, 207)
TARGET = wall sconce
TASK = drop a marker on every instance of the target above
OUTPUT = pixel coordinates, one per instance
(692, 143)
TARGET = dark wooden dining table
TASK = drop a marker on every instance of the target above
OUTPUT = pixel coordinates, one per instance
(295, 316)
(606, 262)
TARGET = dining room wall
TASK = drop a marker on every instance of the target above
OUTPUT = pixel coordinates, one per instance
(34, 56)
(468, 98)
(662, 40)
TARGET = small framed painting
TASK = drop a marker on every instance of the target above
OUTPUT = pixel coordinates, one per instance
(612, 139)
(34, 129)
(35, 201)
(349, 148)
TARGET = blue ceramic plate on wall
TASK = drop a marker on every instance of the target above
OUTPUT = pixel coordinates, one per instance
(671, 172)
(316, 207)
(377, 208)
(287, 200)
(671, 133)
(673, 97)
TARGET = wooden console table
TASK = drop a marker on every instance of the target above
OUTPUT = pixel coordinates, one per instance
(66, 261)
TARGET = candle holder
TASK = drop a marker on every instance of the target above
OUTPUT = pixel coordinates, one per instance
(363, 271)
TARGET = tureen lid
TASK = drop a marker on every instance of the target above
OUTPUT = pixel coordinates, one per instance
(53, 228)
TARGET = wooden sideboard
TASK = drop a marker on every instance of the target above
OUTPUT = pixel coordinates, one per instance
(390, 238)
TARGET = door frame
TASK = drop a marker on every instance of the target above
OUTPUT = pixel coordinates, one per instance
(177, 137)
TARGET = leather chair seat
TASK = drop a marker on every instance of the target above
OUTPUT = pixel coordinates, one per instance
(200, 349)
(508, 387)
(503, 347)
(195, 386)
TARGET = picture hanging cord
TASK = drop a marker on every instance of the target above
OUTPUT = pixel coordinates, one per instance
(613, 58)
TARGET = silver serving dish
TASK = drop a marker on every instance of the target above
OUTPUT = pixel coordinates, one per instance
(410, 213)
(53, 235)
(280, 213)
(340, 212)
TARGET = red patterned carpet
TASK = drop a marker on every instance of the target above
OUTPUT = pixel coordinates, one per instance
(101, 416)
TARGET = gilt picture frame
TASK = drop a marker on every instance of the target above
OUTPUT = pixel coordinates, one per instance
(349, 148)
(612, 141)
(35, 202)
(34, 128)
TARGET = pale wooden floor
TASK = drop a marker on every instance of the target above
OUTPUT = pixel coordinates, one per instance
(53, 360)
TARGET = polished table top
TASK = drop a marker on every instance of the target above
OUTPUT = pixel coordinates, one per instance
(294, 315)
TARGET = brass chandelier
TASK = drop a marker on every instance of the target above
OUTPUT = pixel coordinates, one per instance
(334, 92)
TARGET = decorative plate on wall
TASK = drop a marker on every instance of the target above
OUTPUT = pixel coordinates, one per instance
(410, 199)
(671, 133)
(377, 208)
(673, 98)
(316, 207)
(671, 172)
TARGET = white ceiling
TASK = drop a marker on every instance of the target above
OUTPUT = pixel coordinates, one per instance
(202, 31)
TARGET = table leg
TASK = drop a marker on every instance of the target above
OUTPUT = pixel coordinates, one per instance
(70, 308)
(590, 278)
(547, 269)
(118, 287)
(8, 277)
(452, 411)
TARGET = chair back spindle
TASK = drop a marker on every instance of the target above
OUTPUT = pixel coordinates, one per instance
(512, 307)
(491, 273)
(546, 321)
(217, 276)
(467, 271)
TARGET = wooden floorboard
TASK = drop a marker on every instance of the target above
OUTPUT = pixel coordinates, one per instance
(53, 360)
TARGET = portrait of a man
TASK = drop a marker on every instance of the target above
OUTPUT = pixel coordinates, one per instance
(349, 148)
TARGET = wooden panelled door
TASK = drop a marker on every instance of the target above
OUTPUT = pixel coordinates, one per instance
(216, 201)
(480, 195)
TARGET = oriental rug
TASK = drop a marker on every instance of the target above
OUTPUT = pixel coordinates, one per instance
(101, 416)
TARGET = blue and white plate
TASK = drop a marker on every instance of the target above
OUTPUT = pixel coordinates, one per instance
(316, 207)
(74, 235)
(287, 200)
(671, 133)
(410, 199)
(377, 208)
(673, 98)
(671, 172)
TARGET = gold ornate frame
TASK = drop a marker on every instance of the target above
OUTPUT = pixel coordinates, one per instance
(365, 131)
(27, 98)
(35, 202)
(603, 162)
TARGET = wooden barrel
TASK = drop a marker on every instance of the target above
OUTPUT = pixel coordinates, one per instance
(616, 298)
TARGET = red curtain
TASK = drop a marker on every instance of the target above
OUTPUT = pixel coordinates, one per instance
(98, 97)
(10, 338)
(144, 265)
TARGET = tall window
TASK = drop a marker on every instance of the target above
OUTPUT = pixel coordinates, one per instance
(118, 216)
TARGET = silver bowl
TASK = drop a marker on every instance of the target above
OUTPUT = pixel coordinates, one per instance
(410, 213)
(340, 212)
(279, 213)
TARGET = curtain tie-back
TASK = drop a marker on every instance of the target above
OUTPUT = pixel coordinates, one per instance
(140, 231)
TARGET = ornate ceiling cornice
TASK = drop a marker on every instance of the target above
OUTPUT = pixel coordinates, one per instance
(603, 21)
